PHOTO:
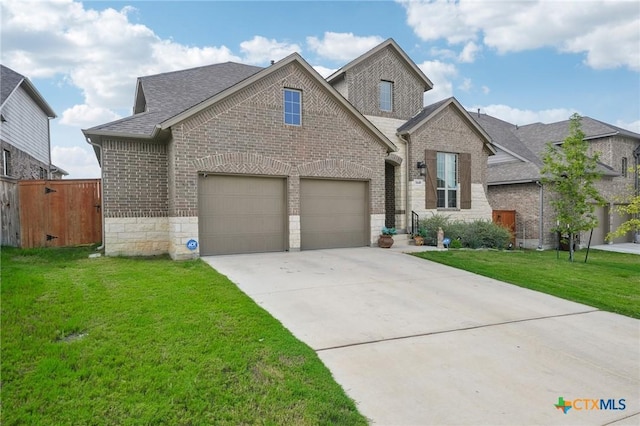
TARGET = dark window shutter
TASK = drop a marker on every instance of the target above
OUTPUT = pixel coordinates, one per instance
(431, 195)
(464, 170)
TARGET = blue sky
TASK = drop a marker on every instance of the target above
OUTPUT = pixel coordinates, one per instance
(519, 61)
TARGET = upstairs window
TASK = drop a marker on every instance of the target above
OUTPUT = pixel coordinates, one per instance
(447, 177)
(292, 107)
(386, 96)
(625, 167)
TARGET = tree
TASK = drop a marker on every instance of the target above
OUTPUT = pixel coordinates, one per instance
(572, 173)
(632, 209)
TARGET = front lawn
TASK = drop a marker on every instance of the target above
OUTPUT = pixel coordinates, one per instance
(149, 341)
(608, 281)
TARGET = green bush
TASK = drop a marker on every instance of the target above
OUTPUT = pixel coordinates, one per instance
(477, 234)
(485, 234)
(431, 225)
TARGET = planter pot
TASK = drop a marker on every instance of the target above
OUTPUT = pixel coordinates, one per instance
(385, 241)
(418, 240)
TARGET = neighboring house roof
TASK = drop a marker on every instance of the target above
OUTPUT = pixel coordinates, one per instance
(11, 80)
(59, 170)
(428, 85)
(172, 97)
(527, 144)
(537, 135)
(430, 111)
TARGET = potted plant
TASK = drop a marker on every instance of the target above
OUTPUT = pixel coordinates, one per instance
(386, 237)
(418, 238)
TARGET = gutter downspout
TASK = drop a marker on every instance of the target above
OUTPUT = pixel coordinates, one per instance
(541, 217)
(101, 191)
(49, 138)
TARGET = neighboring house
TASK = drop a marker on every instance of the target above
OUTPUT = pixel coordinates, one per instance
(514, 175)
(244, 159)
(24, 129)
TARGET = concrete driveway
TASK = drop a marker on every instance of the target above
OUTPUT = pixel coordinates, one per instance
(414, 342)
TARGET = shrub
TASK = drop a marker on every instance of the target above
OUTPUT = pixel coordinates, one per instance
(431, 225)
(484, 233)
(477, 234)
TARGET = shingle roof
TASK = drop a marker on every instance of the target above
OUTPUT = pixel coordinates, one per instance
(425, 112)
(530, 141)
(502, 134)
(171, 93)
(9, 80)
(537, 135)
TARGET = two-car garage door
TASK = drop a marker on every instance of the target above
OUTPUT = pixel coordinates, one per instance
(248, 214)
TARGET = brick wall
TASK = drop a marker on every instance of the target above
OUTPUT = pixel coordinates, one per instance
(449, 132)
(134, 178)
(611, 151)
(363, 79)
(245, 133)
(524, 198)
(22, 165)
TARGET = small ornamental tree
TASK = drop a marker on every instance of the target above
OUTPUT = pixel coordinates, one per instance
(632, 209)
(571, 173)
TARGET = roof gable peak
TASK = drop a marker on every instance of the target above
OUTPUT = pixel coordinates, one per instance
(389, 43)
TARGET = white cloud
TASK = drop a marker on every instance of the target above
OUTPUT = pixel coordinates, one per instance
(342, 46)
(466, 85)
(79, 162)
(469, 52)
(84, 116)
(260, 50)
(607, 31)
(485, 90)
(440, 74)
(99, 52)
(522, 117)
(633, 126)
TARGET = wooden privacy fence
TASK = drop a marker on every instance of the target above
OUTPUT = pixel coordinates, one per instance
(58, 213)
(9, 216)
(506, 218)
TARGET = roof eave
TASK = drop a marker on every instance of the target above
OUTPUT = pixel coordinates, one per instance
(38, 98)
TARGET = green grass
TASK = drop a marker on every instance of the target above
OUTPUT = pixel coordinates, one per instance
(149, 341)
(608, 281)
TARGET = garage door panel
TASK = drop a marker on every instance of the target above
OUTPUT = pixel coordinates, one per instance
(333, 214)
(241, 214)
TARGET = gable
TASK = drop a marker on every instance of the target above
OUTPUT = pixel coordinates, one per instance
(362, 85)
(261, 94)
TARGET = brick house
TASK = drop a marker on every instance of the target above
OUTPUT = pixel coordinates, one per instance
(245, 159)
(514, 175)
(24, 129)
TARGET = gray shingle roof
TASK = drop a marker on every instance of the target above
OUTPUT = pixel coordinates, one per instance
(530, 141)
(502, 134)
(9, 80)
(171, 93)
(426, 111)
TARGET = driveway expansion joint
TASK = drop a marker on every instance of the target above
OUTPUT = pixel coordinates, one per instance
(474, 327)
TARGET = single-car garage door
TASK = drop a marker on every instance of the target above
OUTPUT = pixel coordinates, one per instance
(333, 213)
(241, 214)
